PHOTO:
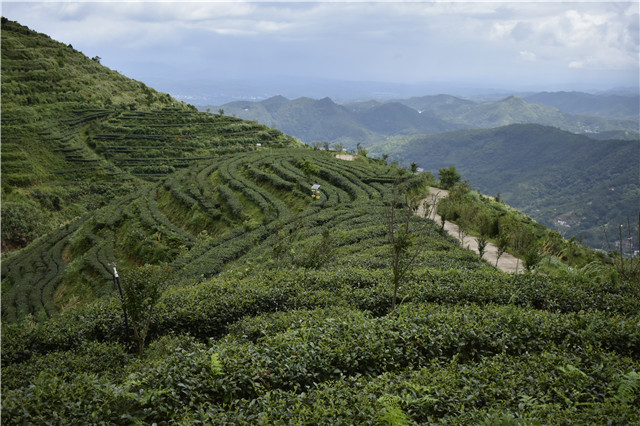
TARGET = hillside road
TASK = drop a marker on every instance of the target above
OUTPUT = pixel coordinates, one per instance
(506, 263)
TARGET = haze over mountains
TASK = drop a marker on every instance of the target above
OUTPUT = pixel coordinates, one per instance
(311, 120)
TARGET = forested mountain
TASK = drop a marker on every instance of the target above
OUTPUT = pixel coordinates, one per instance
(272, 283)
(323, 120)
(548, 173)
(373, 121)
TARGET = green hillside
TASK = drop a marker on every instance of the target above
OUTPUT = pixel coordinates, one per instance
(76, 134)
(310, 120)
(281, 312)
(545, 172)
(196, 221)
(514, 110)
(247, 294)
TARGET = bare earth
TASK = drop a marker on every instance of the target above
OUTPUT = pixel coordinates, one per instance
(507, 262)
(347, 157)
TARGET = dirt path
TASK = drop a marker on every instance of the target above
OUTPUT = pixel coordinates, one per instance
(507, 262)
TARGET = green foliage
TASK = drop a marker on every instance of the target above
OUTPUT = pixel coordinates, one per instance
(531, 258)
(142, 288)
(216, 365)
(629, 389)
(21, 223)
(464, 361)
(309, 168)
(449, 176)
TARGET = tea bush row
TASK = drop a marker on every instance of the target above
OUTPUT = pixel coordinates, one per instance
(232, 201)
(26, 276)
(270, 178)
(288, 172)
(208, 309)
(296, 359)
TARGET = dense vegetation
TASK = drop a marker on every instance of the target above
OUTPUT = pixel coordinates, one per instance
(567, 182)
(251, 298)
(297, 325)
(75, 135)
(284, 336)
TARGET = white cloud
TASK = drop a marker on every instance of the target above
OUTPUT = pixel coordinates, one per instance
(528, 56)
(399, 41)
(596, 35)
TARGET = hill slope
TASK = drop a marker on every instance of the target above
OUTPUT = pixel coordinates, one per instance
(197, 220)
(76, 134)
(545, 172)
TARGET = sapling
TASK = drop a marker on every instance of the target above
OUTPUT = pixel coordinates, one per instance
(142, 288)
(404, 248)
(482, 245)
(502, 243)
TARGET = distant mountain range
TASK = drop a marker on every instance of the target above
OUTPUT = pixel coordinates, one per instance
(598, 116)
(605, 105)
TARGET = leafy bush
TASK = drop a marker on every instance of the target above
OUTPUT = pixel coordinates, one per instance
(21, 223)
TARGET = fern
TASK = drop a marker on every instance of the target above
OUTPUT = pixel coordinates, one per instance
(216, 365)
(393, 414)
(629, 388)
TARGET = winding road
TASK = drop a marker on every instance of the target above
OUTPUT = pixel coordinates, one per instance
(506, 263)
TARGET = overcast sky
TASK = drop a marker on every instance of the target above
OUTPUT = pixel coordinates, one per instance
(542, 45)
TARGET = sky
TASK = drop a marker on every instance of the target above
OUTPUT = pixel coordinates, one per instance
(200, 47)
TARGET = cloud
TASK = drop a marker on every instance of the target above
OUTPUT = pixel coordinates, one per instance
(395, 41)
(528, 56)
(596, 35)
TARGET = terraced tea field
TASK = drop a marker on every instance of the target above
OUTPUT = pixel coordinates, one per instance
(197, 221)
